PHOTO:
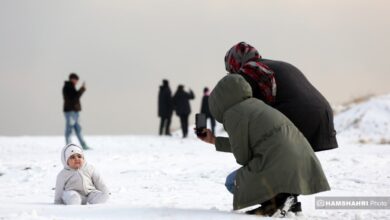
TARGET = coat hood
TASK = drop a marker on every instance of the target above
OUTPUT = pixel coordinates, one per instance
(230, 90)
(65, 153)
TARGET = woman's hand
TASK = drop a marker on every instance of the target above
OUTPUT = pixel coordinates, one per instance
(209, 138)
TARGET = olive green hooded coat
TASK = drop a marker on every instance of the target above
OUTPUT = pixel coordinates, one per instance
(275, 156)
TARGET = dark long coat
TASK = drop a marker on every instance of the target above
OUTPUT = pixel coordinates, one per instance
(205, 106)
(302, 103)
(165, 102)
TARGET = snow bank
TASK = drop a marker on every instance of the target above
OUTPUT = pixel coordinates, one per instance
(367, 122)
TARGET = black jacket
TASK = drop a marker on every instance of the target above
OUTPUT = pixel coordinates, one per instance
(303, 104)
(205, 106)
(181, 102)
(165, 104)
(72, 97)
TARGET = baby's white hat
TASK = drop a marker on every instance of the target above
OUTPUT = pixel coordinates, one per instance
(68, 151)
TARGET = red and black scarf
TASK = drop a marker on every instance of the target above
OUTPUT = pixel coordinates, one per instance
(245, 59)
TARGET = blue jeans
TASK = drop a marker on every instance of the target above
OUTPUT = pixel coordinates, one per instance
(230, 179)
(72, 122)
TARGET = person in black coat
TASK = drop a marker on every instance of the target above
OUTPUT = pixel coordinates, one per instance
(72, 107)
(284, 87)
(165, 107)
(182, 107)
(205, 108)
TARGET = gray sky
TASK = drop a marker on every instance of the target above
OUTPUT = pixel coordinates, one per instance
(123, 49)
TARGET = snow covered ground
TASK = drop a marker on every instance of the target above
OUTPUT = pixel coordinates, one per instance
(169, 178)
(366, 122)
(153, 177)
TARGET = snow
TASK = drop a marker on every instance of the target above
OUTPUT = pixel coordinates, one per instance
(152, 177)
(367, 122)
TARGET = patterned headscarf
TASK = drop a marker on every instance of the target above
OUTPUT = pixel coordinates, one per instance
(245, 59)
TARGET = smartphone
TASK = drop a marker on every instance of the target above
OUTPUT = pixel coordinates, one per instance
(200, 124)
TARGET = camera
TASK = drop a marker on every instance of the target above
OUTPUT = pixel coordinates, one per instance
(200, 125)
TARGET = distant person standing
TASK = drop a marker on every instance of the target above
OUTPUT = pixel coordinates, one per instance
(205, 108)
(181, 103)
(72, 107)
(165, 107)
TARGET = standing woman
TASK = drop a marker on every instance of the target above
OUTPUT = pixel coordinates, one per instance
(181, 103)
(165, 108)
(205, 108)
(285, 88)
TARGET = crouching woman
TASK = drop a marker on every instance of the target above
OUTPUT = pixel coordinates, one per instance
(278, 163)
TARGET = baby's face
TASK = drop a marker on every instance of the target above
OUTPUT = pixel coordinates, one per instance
(76, 161)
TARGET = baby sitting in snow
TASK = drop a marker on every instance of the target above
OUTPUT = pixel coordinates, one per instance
(78, 183)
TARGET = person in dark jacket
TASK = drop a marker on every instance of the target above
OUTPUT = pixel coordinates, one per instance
(181, 103)
(165, 107)
(72, 107)
(285, 88)
(205, 108)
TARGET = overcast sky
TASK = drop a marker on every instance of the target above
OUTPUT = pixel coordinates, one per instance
(123, 49)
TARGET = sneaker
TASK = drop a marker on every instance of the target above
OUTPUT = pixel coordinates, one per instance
(278, 206)
(267, 208)
(296, 207)
(285, 208)
(263, 210)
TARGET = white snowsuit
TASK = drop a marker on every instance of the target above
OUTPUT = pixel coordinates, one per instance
(82, 186)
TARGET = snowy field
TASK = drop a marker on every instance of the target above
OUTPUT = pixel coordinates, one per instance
(169, 178)
(153, 177)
